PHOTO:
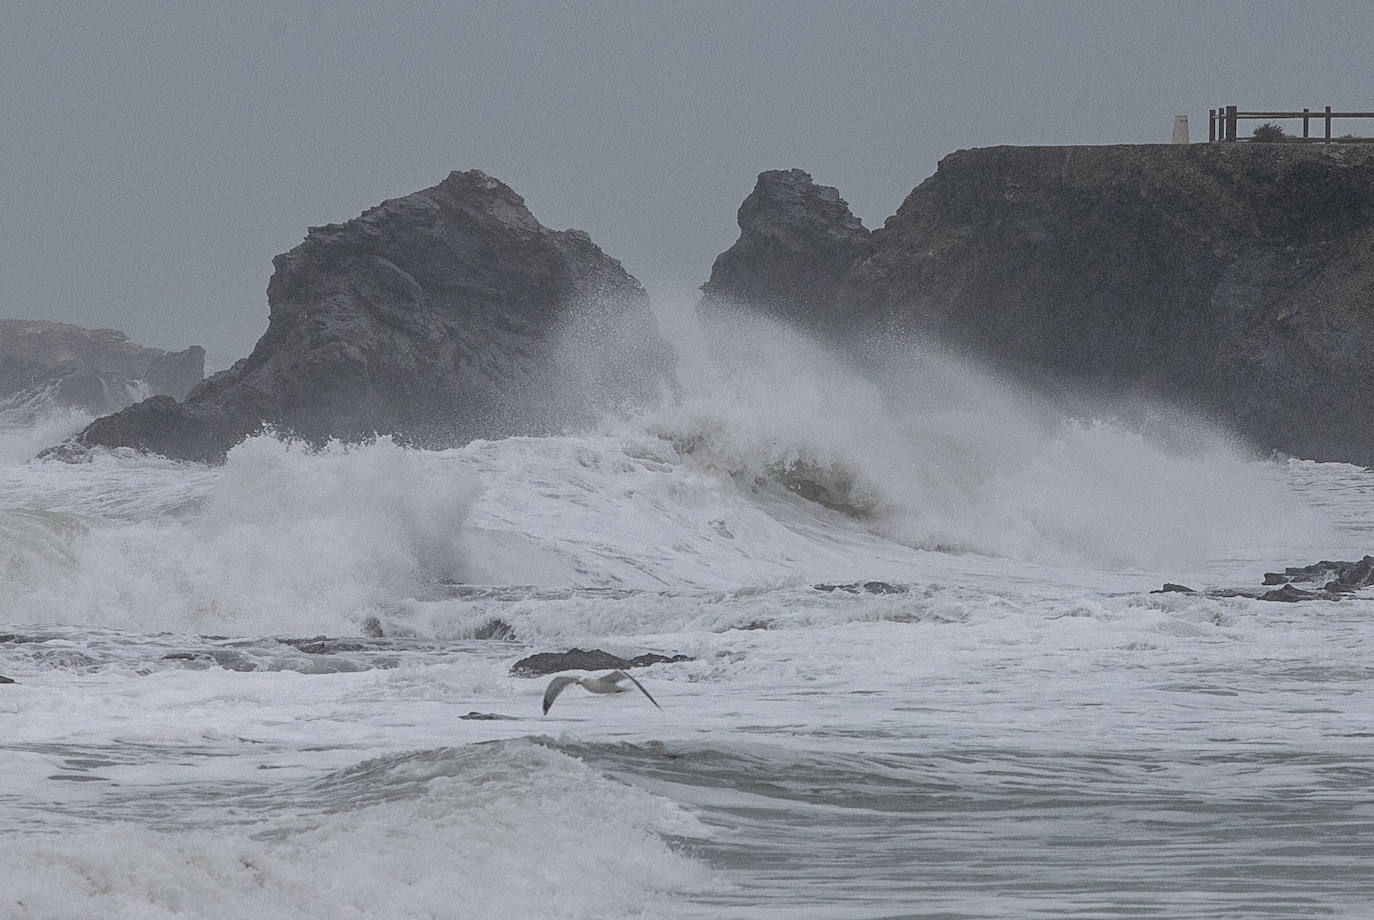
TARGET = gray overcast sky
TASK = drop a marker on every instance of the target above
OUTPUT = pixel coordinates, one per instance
(155, 156)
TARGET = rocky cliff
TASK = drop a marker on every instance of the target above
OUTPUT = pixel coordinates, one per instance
(446, 315)
(1235, 279)
(97, 370)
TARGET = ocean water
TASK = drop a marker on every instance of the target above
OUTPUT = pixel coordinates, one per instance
(205, 722)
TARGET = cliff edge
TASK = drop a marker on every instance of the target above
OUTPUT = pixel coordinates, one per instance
(1235, 279)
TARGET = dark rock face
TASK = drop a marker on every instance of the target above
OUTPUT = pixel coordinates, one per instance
(584, 660)
(98, 370)
(1290, 595)
(797, 241)
(431, 317)
(1331, 581)
(1332, 577)
(1234, 279)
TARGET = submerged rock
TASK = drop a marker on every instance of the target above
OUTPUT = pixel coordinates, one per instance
(585, 660)
(867, 587)
(325, 645)
(1289, 594)
(443, 316)
(495, 629)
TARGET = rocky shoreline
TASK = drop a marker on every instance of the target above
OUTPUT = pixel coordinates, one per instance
(1233, 281)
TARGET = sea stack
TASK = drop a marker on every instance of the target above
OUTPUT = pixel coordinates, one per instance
(1236, 280)
(432, 317)
(797, 242)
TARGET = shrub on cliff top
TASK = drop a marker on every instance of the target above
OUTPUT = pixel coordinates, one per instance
(1269, 133)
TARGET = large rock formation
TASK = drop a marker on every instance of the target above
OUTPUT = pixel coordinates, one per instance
(1236, 279)
(798, 241)
(97, 370)
(443, 316)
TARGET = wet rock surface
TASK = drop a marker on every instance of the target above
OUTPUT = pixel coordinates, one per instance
(1329, 580)
(866, 587)
(1171, 588)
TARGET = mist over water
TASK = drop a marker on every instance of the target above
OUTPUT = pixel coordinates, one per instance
(766, 440)
(31, 421)
(937, 452)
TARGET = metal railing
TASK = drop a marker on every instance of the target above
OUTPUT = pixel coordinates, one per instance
(1221, 121)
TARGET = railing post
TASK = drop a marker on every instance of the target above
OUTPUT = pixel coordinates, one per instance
(1231, 122)
(1211, 125)
(1304, 121)
(1328, 122)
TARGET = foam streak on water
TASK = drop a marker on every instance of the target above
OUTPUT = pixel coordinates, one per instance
(206, 722)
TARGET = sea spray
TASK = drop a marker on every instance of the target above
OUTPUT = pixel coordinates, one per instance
(282, 539)
(937, 452)
(32, 420)
(776, 461)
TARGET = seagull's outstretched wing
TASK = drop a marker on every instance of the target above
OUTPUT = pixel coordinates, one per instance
(556, 686)
(618, 676)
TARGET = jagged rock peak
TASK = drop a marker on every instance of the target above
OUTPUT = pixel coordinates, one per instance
(788, 205)
(796, 240)
(471, 191)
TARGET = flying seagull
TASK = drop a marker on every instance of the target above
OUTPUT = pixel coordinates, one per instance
(607, 683)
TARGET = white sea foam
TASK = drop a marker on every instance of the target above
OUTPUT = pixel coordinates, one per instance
(1155, 749)
(491, 831)
(938, 453)
(931, 467)
(27, 427)
(281, 539)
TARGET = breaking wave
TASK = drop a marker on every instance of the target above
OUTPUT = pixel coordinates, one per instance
(937, 453)
(282, 538)
(507, 830)
(774, 462)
